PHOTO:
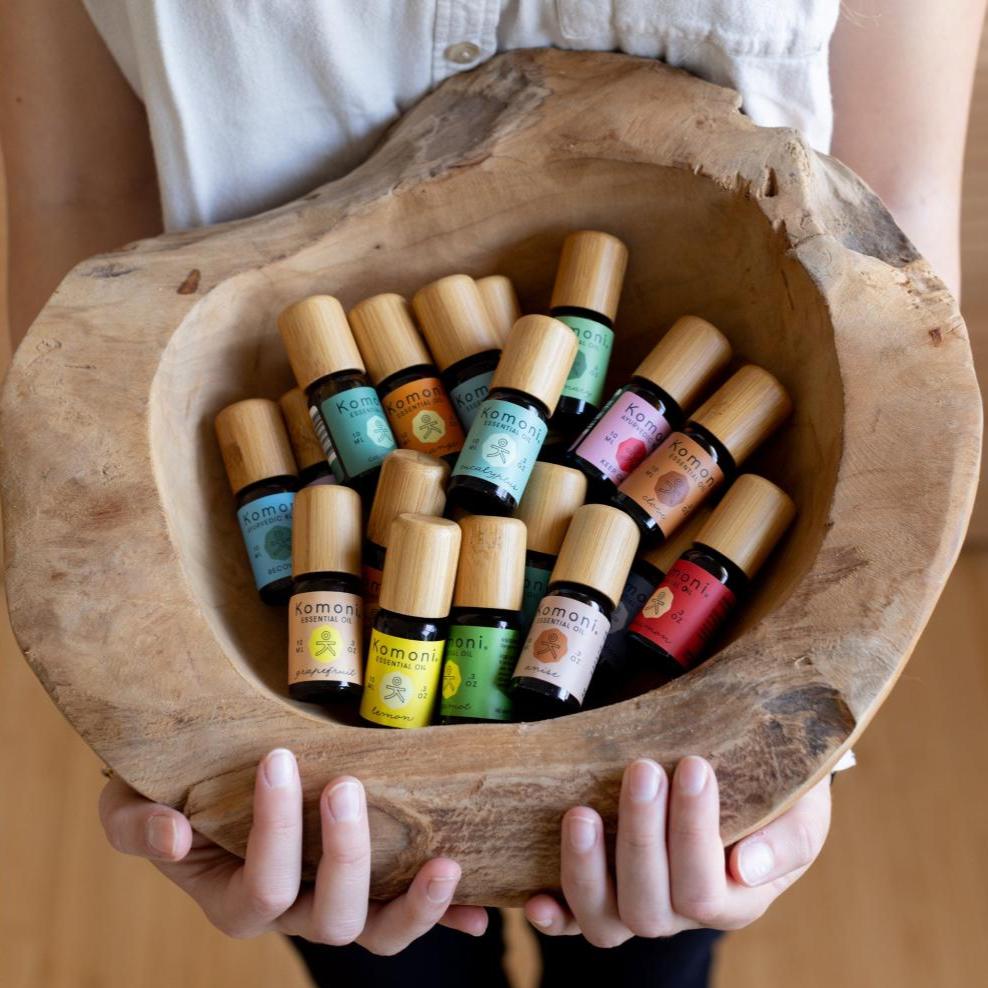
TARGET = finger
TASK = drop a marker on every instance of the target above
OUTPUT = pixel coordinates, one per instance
(697, 876)
(642, 862)
(135, 825)
(550, 917)
(789, 844)
(339, 909)
(393, 927)
(588, 888)
(471, 920)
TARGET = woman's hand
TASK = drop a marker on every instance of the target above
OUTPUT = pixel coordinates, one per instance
(670, 868)
(263, 892)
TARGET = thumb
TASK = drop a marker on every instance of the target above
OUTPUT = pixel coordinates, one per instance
(135, 825)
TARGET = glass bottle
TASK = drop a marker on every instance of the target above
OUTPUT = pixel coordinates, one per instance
(310, 452)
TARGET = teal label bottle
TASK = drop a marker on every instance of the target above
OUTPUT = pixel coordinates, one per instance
(266, 524)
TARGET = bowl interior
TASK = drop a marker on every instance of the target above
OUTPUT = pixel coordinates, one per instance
(695, 247)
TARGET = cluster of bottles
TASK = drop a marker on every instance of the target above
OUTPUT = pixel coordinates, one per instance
(583, 565)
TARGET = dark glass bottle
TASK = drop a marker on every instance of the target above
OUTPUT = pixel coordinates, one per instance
(538, 570)
(268, 492)
(468, 382)
(440, 434)
(372, 571)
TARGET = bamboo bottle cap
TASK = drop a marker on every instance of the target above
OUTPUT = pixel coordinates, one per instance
(685, 360)
(491, 572)
(420, 566)
(386, 336)
(598, 550)
(318, 340)
(748, 522)
(536, 359)
(326, 530)
(410, 483)
(745, 410)
(454, 319)
(591, 272)
(663, 555)
(305, 444)
(553, 494)
(254, 443)
(502, 303)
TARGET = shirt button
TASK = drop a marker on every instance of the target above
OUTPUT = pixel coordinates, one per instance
(462, 53)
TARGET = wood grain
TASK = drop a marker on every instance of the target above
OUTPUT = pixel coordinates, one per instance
(156, 652)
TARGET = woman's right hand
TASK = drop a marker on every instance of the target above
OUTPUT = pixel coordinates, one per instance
(264, 891)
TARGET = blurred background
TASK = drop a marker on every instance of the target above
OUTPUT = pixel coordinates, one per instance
(898, 896)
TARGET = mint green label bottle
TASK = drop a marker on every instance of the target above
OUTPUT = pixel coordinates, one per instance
(358, 429)
(477, 672)
(586, 377)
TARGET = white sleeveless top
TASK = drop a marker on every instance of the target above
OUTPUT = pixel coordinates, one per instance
(254, 102)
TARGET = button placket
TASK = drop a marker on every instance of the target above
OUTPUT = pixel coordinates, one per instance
(465, 34)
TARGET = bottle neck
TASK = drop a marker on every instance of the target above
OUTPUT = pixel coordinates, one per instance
(262, 488)
(658, 397)
(541, 560)
(326, 580)
(581, 313)
(405, 626)
(718, 566)
(521, 398)
(583, 593)
(705, 438)
(485, 617)
(337, 381)
(415, 372)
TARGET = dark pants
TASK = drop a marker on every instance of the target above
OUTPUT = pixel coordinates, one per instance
(447, 959)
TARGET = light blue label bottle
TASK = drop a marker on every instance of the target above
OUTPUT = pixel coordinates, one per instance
(586, 376)
(358, 430)
(536, 587)
(502, 446)
(267, 528)
(469, 396)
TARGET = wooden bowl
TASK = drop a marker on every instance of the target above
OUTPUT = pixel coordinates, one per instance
(129, 588)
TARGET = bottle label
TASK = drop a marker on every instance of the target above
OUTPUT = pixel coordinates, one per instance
(636, 592)
(319, 427)
(358, 429)
(469, 395)
(324, 637)
(564, 644)
(372, 595)
(502, 446)
(622, 436)
(423, 419)
(267, 528)
(586, 376)
(477, 672)
(684, 612)
(402, 680)
(673, 481)
(536, 585)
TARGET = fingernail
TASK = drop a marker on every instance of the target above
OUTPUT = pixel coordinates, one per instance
(542, 923)
(160, 834)
(691, 775)
(440, 889)
(279, 769)
(755, 861)
(643, 782)
(582, 833)
(344, 802)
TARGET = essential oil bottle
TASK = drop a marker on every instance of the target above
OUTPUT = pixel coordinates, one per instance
(410, 483)
(414, 399)
(310, 453)
(484, 633)
(330, 371)
(671, 482)
(325, 640)
(462, 337)
(409, 635)
(503, 443)
(585, 297)
(501, 302)
(547, 507)
(571, 622)
(262, 473)
(675, 627)
(641, 414)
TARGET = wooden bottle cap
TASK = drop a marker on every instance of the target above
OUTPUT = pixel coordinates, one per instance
(305, 444)
(748, 522)
(553, 494)
(591, 272)
(491, 572)
(318, 340)
(386, 335)
(745, 410)
(598, 550)
(254, 443)
(420, 567)
(502, 303)
(685, 360)
(326, 530)
(454, 319)
(663, 555)
(536, 359)
(410, 483)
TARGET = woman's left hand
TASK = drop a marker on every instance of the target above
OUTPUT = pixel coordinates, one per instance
(671, 872)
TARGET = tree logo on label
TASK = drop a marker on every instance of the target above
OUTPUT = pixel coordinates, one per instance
(550, 645)
(501, 449)
(379, 433)
(658, 603)
(324, 643)
(451, 679)
(396, 690)
(629, 454)
(428, 426)
(278, 542)
(671, 488)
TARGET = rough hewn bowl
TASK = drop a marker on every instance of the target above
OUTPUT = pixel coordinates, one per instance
(128, 585)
